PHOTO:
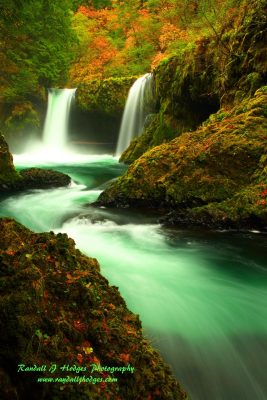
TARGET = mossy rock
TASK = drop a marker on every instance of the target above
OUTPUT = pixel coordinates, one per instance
(247, 209)
(21, 118)
(106, 96)
(8, 174)
(157, 129)
(222, 160)
(56, 308)
(37, 178)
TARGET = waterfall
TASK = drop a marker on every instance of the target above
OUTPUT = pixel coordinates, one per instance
(57, 117)
(135, 111)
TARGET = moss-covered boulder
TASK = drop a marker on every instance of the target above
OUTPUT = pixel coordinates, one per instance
(105, 96)
(219, 169)
(22, 116)
(37, 178)
(62, 323)
(8, 174)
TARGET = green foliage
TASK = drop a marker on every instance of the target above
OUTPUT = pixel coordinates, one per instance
(142, 33)
(46, 43)
(139, 58)
(101, 3)
(36, 40)
(8, 174)
(75, 4)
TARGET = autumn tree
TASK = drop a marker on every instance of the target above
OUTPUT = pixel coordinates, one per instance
(36, 41)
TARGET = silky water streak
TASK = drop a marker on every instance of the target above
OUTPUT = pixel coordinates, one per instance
(137, 107)
(57, 118)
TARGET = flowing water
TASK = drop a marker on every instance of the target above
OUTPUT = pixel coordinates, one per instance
(54, 146)
(135, 111)
(57, 118)
(201, 295)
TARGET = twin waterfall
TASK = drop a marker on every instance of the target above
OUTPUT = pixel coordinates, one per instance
(135, 111)
(57, 118)
(137, 107)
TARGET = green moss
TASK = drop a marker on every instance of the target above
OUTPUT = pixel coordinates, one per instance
(42, 178)
(104, 95)
(245, 208)
(8, 174)
(157, 129)
(222, 163)
(22, 117)
(153, 127)
(56, 308)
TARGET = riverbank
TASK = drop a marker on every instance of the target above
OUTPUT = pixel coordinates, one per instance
(63, 312)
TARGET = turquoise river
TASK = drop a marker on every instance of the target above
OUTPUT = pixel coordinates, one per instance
(201, 295)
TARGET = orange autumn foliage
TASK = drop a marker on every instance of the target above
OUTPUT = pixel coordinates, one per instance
(132, 37)
(105, 52)
(170, 33)
(157, 59)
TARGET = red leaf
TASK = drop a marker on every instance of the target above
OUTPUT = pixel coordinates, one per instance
(80, 358)
(124, 357)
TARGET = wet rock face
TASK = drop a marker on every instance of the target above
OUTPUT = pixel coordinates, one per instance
(219, 169)
(56, 309)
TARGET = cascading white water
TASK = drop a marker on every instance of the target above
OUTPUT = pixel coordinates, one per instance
(134, 112)
(53, 147)
(57, 117)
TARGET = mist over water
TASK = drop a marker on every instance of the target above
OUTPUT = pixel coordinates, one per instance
(201, 295)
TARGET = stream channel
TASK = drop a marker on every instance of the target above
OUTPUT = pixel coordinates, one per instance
(201, 295)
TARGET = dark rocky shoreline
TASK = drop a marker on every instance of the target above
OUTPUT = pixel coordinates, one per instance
(36, 178)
